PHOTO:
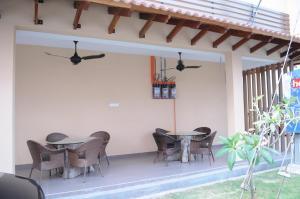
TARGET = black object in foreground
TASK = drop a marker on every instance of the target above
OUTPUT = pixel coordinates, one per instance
(17, 187)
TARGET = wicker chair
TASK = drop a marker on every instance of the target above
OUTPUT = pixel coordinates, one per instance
(197, 147)
(54, 137)
(166, 146)
(45, 158)
(203, 129)
(105, 137)
(86, 155)
(159, 130)
(163, 131)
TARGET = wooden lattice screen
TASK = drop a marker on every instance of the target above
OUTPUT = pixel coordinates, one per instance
(262, 81)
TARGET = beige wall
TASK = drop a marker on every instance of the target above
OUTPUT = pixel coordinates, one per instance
(53, 95)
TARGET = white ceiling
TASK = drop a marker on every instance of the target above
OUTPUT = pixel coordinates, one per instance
(94, 44)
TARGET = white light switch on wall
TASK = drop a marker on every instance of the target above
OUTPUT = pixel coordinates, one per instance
(114, 104)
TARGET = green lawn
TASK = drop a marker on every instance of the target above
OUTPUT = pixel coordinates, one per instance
(266, 183)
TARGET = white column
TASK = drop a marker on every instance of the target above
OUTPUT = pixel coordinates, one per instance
(7, 44)
(234, 89)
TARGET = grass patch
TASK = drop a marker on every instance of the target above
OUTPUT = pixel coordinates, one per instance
(267, 185)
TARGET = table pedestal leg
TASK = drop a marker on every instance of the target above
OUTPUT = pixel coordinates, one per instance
(185, 146)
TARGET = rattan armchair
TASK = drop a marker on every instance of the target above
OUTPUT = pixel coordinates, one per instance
(198, 147)
(166, 146)
(86, 155)
(45, 158)
(105, 140)
(160, 130)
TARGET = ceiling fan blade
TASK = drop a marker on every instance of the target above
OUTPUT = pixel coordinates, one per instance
(192, 67)
(93, 57)
(168, 69)
(56, 55)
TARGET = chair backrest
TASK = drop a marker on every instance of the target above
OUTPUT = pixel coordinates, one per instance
(162, 140)
(90, 149)
(210, 138)
(101, 134)
(159, 130)
(203, 129)
(36, 150)
(54, 137)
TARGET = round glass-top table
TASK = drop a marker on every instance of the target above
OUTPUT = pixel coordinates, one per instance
(185, 137)
(70, 143)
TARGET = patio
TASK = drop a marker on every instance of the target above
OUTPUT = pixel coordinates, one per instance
(136, 175)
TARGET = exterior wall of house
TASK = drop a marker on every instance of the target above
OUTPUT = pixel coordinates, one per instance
(58, 17)
(52, 95)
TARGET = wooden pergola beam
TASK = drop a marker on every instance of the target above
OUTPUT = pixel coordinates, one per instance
(241, 42)
(221, 39)
(260, 45)
(113, 24)
(283, 54)
(274, 49)
(117, 12)
(198, 36)
(79, 6)
(175, 30)
(146, 27)
(294, 55)
(36, 19)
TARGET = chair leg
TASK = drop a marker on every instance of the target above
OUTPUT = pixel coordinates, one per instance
(209, 159)
(212, 155)
(30, 172)
(166, 159)
(107, 160)
(84, 172)
(99, 168)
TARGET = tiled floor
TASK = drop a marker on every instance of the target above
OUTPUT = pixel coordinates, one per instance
(123, 171)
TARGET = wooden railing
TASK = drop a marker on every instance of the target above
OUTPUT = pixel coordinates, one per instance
(263, 81)
(234, 10)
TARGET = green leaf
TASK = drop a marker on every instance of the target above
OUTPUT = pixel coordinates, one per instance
(231, 159)
(249, 139)
(222, 152)
(266, 156)
(242, 155)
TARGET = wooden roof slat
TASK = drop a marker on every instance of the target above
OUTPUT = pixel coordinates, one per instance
(146, 27)
(260, 45)
(221, 39)
(187, 23)
(79, 6)
(158, 17)
(175, 30)
(213, 28)
(117, 12)
(293, 49)
(113, 23)
(198, 36)
(274, 49)
(294, 55)
(240, 43)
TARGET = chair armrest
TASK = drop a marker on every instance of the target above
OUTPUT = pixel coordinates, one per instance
(201, 139)
(55, 151)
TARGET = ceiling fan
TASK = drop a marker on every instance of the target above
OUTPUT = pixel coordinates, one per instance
(76, 59)
(180, 65)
